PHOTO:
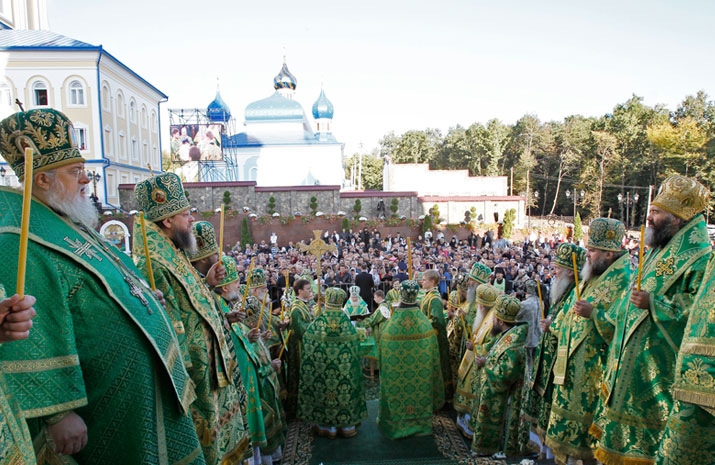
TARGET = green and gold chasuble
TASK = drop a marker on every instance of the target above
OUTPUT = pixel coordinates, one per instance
(411, 386)
(355, 308)
(375, 320)
(100, 345)
(537, 399)
(248, 364)
(219, 409)
(433, 309)
(270, 389)
(15, 441)
(391, 298)
(496, 426)
(637, 385)
(689, 435)
(578, 368)
(455, 334)
(332, 391)
(301, 316)
(466, 396)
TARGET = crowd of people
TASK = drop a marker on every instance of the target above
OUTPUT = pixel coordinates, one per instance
(186, 355)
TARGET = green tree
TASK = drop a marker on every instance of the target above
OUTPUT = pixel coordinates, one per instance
(313, 205)
(226, 200)
(434, 213)
(394, 206)
(577, 227)
(508, 224)
(346, 224)
(493, 139)
(271, 205)
(370, 169)
(357, 207)
(246, 237)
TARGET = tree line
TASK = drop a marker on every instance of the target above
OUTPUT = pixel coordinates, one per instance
(622, 152)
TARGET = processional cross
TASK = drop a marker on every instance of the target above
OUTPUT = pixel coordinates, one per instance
(317, 248)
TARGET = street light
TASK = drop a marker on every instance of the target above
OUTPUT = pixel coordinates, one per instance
(628, 201)
(3, 172)
(576, 197)
(95, 177)
(528, 208)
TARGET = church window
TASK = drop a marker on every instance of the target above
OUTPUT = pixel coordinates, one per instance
(39, 91)
(76, 90)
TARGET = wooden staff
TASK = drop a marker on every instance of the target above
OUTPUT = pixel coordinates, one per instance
(151, 173)
(25, 223)
(146, 252)
(409, 258)
(541, 300)
(285, 343)
(220, 232)
(575, 275)
(464, 327)
(641, 251)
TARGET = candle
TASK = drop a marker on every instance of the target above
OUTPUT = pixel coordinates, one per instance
(248, 285)
(285, 295)
(260, 313)
(464, 327)
(409, 258)
(25, 223)
(220, 232)
(149, 271)
(641, 251)
(575, 275)
(541, 300)
(285, 343)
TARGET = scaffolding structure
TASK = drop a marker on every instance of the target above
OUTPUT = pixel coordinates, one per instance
(225, 169)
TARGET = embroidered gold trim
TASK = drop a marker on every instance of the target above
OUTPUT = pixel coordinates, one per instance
(46, 364)
(53, 409)
(698, 348)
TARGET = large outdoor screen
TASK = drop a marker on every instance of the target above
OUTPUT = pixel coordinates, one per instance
(194, 142)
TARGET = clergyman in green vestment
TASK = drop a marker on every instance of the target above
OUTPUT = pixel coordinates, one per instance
(15, 442)
(219, 409)
(690, 430)
(101, 375)
(536, 406)
(583, 343)
(502, 379)
(649, 324)
(332, 392)
(259, 372)
(411, 386)
(433, 308)
(301, 315)
(204, 257)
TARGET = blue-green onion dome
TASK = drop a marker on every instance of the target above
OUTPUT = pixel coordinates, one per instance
(322, 108)
(274, 108)
(218, 111)
(285, 79)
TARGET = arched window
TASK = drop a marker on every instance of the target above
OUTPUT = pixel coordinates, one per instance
(132, 111)
(76, 90)
(106, 98)
(120, 104)
(39, 94)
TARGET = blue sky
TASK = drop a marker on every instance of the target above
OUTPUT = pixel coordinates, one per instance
(401, 65)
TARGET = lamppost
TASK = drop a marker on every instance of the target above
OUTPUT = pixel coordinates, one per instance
(528, 207)
(576, 198)
(95, 177)
(3, 172)
(628, 201)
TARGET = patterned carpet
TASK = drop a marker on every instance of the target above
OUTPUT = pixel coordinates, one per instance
(300, 444)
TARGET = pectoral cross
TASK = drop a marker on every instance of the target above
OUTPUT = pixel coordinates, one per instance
(137, 292)
(317, 248)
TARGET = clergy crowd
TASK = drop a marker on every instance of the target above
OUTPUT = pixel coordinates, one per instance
(591, 353)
